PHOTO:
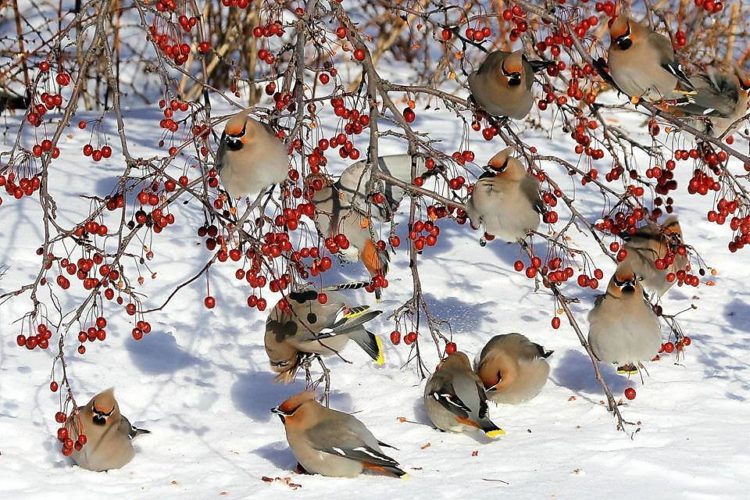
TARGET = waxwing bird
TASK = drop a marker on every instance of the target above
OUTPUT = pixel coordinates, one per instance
(505, 199)
(250, 158)
(352, 185)
(455, 399)
(334, 217)
(330, 442)
(512, 368)
(109, 434)
(623, 328)
(300, 325)
(720, 101)
(654, 251)
(502, 84)
(642, 62)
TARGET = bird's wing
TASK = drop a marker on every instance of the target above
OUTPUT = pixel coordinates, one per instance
(347, 437)
(716, 96)
(668, 61)
(443, 392)
(530, 188)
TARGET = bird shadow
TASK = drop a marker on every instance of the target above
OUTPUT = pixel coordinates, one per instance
(255, 393)
(464, 316)
(737, 313)
(159, 353)
(278, 454)
(574, 371)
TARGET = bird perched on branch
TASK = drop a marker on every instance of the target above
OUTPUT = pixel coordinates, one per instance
(250, 158)
(505, 199)
(643, 64)
(654, 252)
(330, 442)
(455, 399)
(109, 434)
(502, 84)
(352, 184)
(623, 328)
(335, 218)
(300, 325)
(512, 368)
(720, 101)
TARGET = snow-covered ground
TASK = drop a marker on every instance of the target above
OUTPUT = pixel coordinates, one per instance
(201, 382)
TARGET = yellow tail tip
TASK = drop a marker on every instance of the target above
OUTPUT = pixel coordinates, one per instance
(496, 433)
(381, 355)
(405, 477)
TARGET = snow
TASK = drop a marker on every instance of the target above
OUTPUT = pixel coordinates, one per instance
(201, 382)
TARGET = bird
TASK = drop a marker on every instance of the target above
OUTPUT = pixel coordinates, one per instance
(720, 100)
(330, 442)
(502, 83)
(643, 64)
(334, 217)
(512, 368)
(351, 185)
(250, 158)
(455, 399)
(623, 328)
(654, 251)
(505, 199)
(109, 434)
(300, 325)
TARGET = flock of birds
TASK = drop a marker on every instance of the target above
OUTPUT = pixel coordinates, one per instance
(506, 202)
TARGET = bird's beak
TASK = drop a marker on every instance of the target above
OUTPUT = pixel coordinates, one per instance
(629, 287)
(514, 79)
(280, 413)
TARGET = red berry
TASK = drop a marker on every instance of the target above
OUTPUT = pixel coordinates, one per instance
(209, 302)
(395, 337)
(630, 393)
(450, 348)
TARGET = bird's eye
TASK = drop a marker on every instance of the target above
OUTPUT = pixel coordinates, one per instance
(280, 364)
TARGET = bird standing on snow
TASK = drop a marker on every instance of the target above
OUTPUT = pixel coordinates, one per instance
(502, 84)
(455, 400)
(623, 328)
(642, 62)
(300, 325)
(655, 251)
(330, 442)
(108, 434)
(721, 100)
(505, 199)
(512, 368)
(250, 158)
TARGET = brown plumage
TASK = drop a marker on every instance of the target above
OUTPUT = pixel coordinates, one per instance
(623, 328)
(642, 62)
(502, 84)
(654, 244)
(109, 434)
(334, 215)
(506, 199)
(306, 326)
(512, 368)
(250, 158)
(330, 442)
(455, 399)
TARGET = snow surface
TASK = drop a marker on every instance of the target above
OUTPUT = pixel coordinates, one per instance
(201, 382)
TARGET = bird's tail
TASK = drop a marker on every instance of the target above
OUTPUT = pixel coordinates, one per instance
(490, 429)
(370, 343)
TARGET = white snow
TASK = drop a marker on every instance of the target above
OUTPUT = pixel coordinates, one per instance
(201, 382)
